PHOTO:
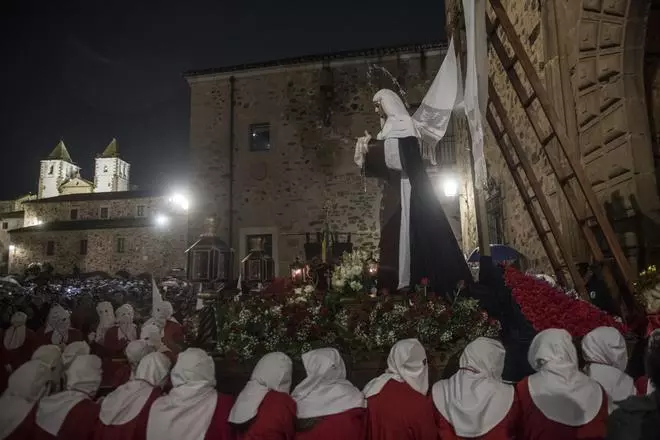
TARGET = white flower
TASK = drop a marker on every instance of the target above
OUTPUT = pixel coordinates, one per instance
(309, 288)
(338, 283)
(297, 291)
(356, 286)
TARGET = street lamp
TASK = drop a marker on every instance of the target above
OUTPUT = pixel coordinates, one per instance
(162, 220)
(450, 187)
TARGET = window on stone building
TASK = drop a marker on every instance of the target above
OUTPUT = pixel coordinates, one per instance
(104, 212)
(105, 169)
(51, 170)
(260, 137)
(50, 247)
(121, 245)
(74, 214)
(83, 247)
(140, 210)
(5, 225)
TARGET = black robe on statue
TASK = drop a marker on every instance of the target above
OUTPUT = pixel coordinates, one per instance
(434, 250)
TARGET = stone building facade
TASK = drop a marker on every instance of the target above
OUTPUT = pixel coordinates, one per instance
(600, 67)
(272, 145)
(134, 231)
(11, 217)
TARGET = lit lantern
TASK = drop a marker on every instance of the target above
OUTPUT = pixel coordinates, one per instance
(209, 258)
(371, 272)
(299, 272)
(257, 267)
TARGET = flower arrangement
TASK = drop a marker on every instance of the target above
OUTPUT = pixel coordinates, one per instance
(348, 277)
(251, 327)
(547, 307)
(647, 290)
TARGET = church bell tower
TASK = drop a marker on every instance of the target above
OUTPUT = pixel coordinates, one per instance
(111, 173)
(55, 169)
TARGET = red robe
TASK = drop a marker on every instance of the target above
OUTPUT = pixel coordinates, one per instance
(642, 385)
(534, 425)
(173, 335)
(219, 428)
(275, 419)
(45, 338)
(136, 429)
(400, 413)
(79, 424)
(16, 357)
(112, 350)
(504, 430)
(348, 425)
(26, 429)
(114, 347)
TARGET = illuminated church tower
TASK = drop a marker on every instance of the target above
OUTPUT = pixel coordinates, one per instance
(111, 172)
(55, 170)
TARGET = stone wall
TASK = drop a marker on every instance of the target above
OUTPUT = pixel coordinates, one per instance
(589, 56)
(46, 211)
(147, 249)
(314, 116)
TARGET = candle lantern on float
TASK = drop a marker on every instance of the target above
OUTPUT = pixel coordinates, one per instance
(371, 272)
(258, 268)
(210, 259)
(299, 272)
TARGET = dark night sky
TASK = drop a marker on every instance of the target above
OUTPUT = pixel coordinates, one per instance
(90, 70)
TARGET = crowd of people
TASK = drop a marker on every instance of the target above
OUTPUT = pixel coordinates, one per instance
(160, 391)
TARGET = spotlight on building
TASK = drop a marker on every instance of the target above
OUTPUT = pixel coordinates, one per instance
(162, 220)
(180, 201)
(450, 187)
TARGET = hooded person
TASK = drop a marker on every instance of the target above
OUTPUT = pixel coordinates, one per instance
(124, 331)
(106, 314)
(18, 343)
(153, 335)
(606, 355)
(58, 329)
(193, 409)
(264, 405)
(125, 411)
(474, 402)
(416, 237)
(327, 398)
(26, 386)
(643, 384)
(51, 356)
(72, 414)
(70, 353)
(406, 382)
(559, 401)
(135, 351)
(162, 316)
(638, 417)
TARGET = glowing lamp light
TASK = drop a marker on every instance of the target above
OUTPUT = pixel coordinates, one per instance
(162, 220)
(450, 187)
(180, 200)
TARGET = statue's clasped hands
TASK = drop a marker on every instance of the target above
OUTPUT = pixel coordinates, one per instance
(361, 148)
